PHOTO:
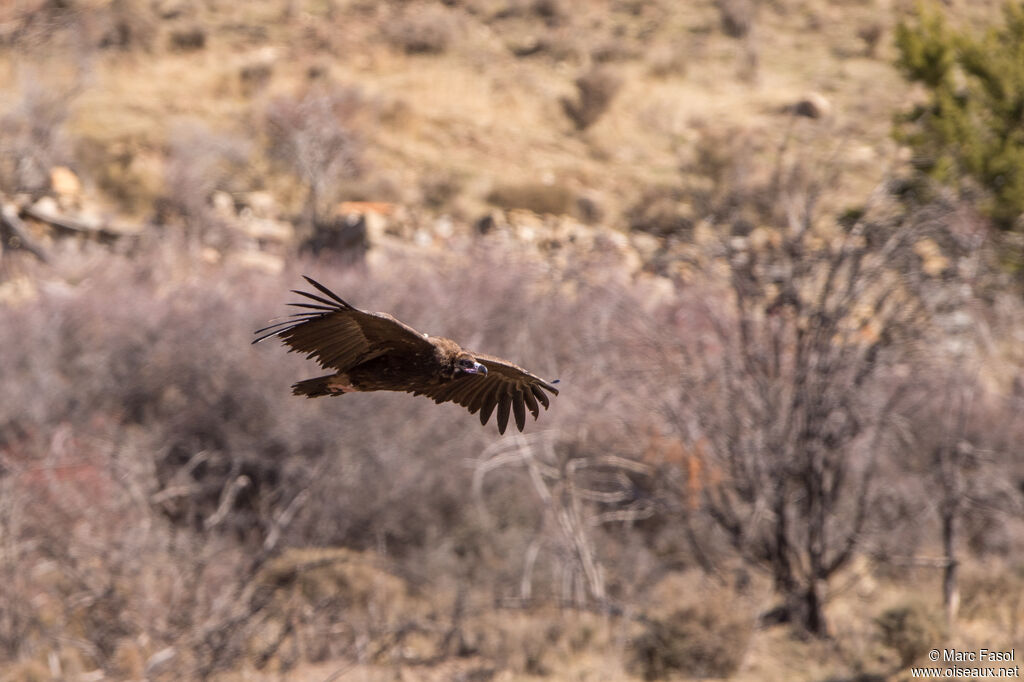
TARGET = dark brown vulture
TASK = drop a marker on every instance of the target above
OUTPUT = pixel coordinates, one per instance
(376, 352)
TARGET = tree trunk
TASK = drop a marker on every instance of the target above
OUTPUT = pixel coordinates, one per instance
(813, 616)
(950, 587)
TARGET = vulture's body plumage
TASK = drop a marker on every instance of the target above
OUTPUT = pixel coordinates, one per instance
(376, 352)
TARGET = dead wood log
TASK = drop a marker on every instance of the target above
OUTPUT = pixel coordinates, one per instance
(13, 234)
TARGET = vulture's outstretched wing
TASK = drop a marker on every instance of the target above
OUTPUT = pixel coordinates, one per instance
(505, 386)
(339, 336)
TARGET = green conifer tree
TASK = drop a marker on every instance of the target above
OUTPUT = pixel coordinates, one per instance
(970, 133)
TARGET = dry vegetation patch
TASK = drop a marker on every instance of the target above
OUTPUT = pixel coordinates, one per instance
(785, 377)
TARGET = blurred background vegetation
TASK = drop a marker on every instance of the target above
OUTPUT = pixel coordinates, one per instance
(772, 249)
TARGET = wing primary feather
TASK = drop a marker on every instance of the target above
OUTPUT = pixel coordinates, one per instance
(540, 395)
(284, 327)
(519, 410)
(260, 338)
(314, 306)
(487, 407)
(504, 403)
(285, 323)
(325, 290)
(531, 402)
(321, 299)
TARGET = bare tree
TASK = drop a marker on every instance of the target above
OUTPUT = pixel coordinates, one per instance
(790, 387)
(579, 493)
(314, 134)
(962, 435)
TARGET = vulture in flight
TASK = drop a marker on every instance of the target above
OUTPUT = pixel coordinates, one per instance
(376, 352)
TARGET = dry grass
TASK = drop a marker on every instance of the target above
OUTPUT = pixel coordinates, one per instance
(482, 105)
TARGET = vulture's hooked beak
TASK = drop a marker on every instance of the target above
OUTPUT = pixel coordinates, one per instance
(478, 369)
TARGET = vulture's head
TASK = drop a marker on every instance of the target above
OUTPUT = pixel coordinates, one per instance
(466, 364)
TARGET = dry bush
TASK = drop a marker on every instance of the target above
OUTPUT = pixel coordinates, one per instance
(595, 91)
(964, 438)
(871, 35)
(161, 488)
(728, 187)
(661, 211)
(34, 140)
(133, 542)
(199, 162)
(737, 16)
(254, 77)
(707, 639)
(613, 51)
(554, 199)
(428, 30)
(664, 61)
(187, 39)
(316, 136)
(46, 26)
(994, 593)
(128, 25)
(911, 630)
(153, 462)
(553, 12)
(439, 190)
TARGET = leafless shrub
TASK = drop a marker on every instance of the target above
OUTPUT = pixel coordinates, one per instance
(664, 61)
(422, 31)
(198, 162)
(993, 593)
(729, 188)
(871, 34)
(440, 189)
(185, 465)
(127, 25)
(737, 16)
(46, 24)
(705, 640)
(963, 437)
(34, 139)
(595, 91)
(315, 135)
(78, 26)
(110, 473)
(166, 497)
(661, 211)
(613, 51)
(552, 11)
(255, 76)
(910, 631)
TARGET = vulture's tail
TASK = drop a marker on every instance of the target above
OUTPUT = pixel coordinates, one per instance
(314, 388)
